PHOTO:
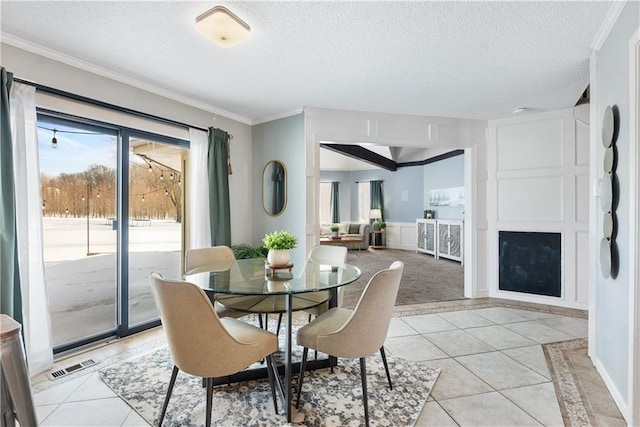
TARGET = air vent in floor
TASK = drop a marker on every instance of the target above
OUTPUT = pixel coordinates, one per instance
(71, 369)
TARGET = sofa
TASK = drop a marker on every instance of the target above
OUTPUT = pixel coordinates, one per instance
(350, 229)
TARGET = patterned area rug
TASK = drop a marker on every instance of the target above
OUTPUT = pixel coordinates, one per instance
(327, 399)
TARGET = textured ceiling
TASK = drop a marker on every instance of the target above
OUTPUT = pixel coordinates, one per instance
(474, 60)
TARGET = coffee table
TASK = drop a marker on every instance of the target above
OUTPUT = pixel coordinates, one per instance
(340, 241)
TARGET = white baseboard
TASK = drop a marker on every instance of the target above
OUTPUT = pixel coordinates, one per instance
(615, 394)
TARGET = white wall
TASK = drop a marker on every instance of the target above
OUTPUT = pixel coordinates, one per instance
(48, 72)
(538, 180)
(613, 313)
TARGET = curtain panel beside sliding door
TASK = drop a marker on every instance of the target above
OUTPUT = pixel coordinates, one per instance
(219, 205)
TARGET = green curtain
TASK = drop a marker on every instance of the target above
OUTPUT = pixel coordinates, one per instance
(377, 201)
(335, 203)
(10, 294)
(218, 169)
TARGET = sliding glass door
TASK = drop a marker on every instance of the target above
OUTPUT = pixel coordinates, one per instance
(112, 214)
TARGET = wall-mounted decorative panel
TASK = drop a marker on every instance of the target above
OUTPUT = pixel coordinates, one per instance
(457, 134)
(582, 198)
(401, 130)
(582, 143)
(530, 145)
(531, 199)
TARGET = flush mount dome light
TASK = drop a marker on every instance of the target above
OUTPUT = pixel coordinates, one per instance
(223, 27)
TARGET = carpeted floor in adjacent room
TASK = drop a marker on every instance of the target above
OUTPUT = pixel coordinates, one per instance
(424, 279)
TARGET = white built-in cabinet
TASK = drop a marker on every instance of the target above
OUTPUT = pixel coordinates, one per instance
(427, 236)
(441, 238)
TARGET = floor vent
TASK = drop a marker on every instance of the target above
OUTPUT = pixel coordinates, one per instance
(71, 369)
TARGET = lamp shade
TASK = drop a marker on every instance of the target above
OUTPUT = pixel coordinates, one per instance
(223, 27)
(375, 214)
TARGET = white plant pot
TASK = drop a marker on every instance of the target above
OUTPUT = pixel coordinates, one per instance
(278, 257)
(334, 233)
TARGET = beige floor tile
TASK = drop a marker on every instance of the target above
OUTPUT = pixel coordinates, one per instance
(426, 323)
(399, 328)
(538, 332)
(42, 412)
(456, 381)
(134, 420)
(578, 328)
(433, 415)
(415, 347)
(539, 401)
(500, 371)
(499, 337)
(501, 315)
(59, 391)
(488, 409)
(92, 388)
(99, 412)
(465, 319)
(531, 357)
(458, 343)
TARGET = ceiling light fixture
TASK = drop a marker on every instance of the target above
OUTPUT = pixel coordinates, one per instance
(223, 27)
(518, 110)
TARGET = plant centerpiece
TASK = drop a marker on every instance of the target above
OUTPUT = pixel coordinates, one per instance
(334, 230)
(278, 243)
(382, 225)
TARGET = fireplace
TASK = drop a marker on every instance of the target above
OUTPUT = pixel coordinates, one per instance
(530, 262)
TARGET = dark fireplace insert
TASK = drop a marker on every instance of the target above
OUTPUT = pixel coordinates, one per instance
(530, 262)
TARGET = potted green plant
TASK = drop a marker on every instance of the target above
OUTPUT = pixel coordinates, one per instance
(278, 243)
(382, 224)
(334, 230)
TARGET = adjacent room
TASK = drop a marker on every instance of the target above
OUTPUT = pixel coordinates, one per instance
(438, 199)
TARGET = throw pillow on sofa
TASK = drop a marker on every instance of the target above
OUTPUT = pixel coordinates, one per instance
(343, 228)
(354, 228)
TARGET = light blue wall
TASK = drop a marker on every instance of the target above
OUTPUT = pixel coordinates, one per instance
(281, 140)
(444, 174)
(402, 192)
(344, 188)
(612, 305)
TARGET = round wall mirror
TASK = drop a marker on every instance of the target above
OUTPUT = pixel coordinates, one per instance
(274, 188)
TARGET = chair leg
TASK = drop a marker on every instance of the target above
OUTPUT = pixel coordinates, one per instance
(271, 382)
(386, 367)
(209, 402)
(172, 382)
(303, 366)
(279, 322)
(365, 401)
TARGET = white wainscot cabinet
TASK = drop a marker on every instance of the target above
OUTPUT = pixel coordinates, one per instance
(450, 239)
(441, 238)
(427, 236)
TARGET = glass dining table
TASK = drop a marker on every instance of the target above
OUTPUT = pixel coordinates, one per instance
(249, 286)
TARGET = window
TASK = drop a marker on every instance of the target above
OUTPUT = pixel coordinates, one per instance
(364, 201)
(325, 203)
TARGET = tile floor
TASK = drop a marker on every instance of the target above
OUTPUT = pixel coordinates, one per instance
(493, 368)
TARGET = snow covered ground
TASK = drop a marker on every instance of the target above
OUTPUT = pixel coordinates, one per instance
(82, 288)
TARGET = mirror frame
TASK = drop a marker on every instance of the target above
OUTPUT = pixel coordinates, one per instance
(286, 187)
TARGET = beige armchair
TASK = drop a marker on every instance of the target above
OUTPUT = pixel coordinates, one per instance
(202, 344)
(355, 333)
(214, 258)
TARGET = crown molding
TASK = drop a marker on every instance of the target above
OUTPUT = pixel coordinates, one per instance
(113, 75)
(607, 24)
(278, 116)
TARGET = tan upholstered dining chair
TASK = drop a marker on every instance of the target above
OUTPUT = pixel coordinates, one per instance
(330, 255)
(355, 333)
(204, 345)
(214, 258)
